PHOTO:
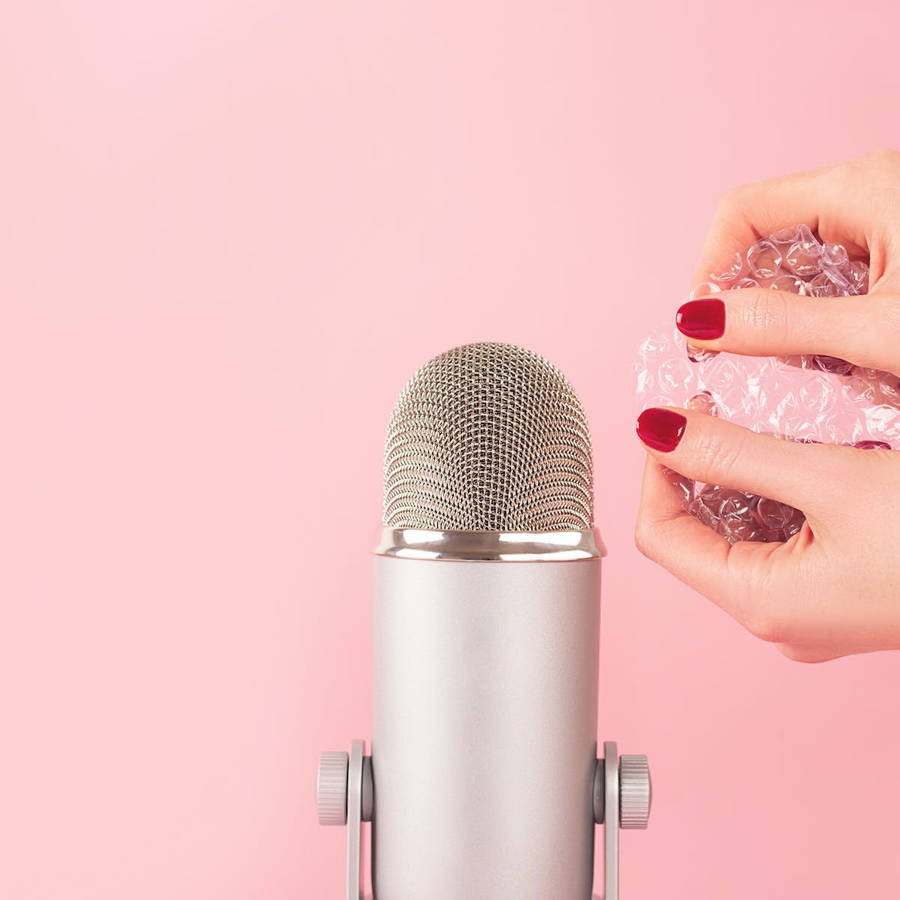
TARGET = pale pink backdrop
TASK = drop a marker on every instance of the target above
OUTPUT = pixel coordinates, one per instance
(230, 231)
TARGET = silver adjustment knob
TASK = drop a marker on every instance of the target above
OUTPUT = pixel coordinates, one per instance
(634, 790)
(331, 787)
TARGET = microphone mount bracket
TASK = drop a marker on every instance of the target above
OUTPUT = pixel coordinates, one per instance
(621, 784)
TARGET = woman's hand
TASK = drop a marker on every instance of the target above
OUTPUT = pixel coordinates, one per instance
(834, 588)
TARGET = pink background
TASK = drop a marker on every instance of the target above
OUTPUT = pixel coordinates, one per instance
(230, 232)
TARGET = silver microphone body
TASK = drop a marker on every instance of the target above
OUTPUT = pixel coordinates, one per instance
(484, 723)
(485, 636)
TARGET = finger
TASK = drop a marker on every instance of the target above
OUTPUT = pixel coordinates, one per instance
(732, 576)
(836, 201)
(709, 449)
(864, 330)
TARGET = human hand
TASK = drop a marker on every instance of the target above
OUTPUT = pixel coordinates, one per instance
(834, 588)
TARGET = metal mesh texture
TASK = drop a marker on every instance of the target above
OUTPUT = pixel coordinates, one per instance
(488, 437)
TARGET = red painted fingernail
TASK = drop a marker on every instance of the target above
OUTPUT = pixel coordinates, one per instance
(661, 429)
(702, 319)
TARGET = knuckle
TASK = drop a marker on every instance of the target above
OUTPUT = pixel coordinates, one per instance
(858, 173)
(732, 202)
(766, 313)
(801, 654)
(844, 176)
(758, 607)
(886, 156)
(765, 625)
(718, 458)
(643, 538)
(777, 613)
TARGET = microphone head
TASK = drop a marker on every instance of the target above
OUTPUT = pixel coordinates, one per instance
(488, 438)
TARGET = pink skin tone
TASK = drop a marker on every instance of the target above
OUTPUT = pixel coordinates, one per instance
(834, 588)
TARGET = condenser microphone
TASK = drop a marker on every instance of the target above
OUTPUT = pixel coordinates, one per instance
(483, 780)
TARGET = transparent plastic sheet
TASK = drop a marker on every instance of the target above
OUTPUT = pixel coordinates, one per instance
(804, 398)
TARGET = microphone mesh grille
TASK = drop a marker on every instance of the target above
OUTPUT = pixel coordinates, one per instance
(488, 437)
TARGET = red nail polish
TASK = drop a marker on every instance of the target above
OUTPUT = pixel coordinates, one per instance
(661, 429)
(702, 319)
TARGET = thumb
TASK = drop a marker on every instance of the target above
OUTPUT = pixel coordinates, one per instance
(864, 330)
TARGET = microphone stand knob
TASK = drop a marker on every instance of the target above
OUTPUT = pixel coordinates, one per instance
(634, 790)
(331, 787)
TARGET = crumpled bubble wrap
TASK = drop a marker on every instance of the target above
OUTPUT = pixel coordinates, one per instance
(803, 398)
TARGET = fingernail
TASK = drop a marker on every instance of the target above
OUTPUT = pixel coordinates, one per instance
(661, 429)
(702, 319)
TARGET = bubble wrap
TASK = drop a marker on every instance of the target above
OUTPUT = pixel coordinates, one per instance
(803, 398)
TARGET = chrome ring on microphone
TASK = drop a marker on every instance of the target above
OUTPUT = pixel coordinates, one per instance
(490, 546)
